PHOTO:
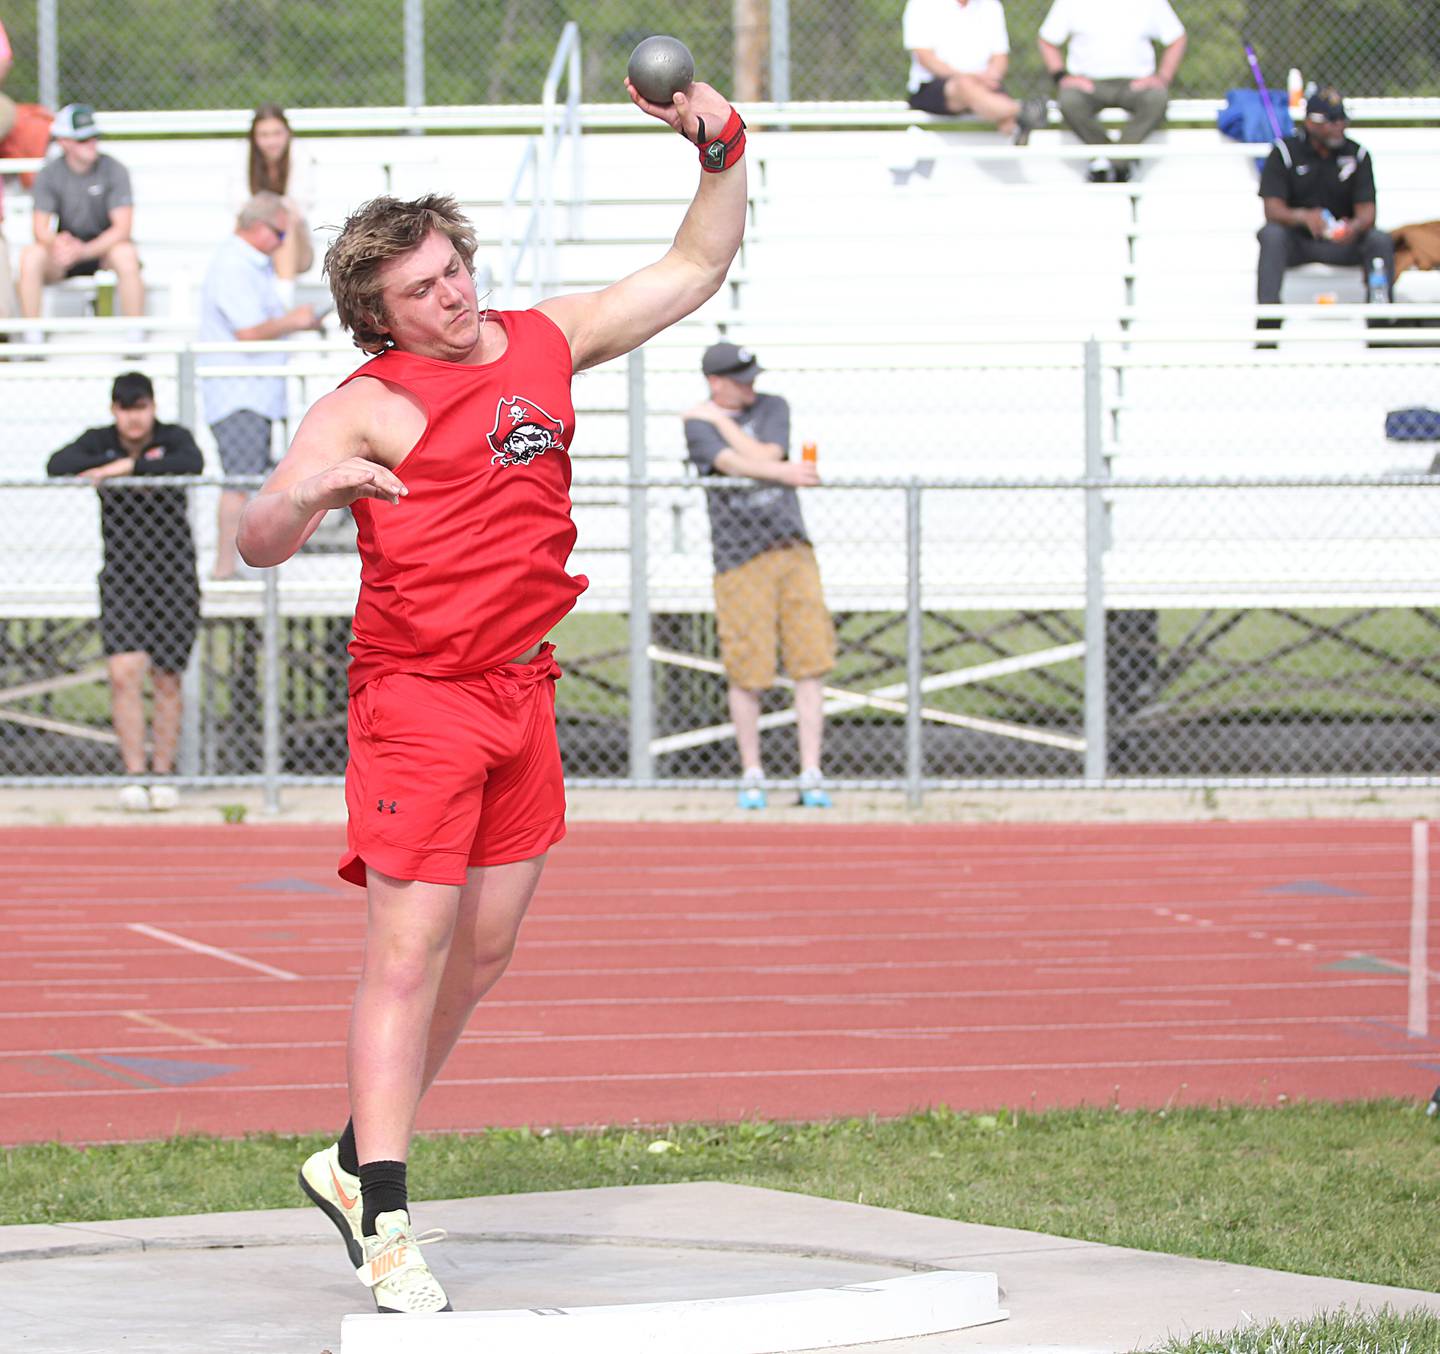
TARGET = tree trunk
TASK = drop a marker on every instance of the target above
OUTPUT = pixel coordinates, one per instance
(752, 45)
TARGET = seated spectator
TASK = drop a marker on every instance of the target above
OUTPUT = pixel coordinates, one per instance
(83, 212)
(278, 165)
(1109, 62)
(7, 104)
(7, 286)
(767, 584)
(959, 53)
(1319, 192)
(239, 301)
(149, 593)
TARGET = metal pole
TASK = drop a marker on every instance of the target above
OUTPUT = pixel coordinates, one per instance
(1095, 544)
(48, 52)
(914, 650)
(415, 56)
(192, 689)
(642, 711)
(185, 387)
(780, 51)
(270, 698)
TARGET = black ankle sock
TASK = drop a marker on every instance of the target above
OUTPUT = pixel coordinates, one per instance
(348, 1160)
(382, 1188)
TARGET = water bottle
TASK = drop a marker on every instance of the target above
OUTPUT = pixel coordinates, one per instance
(1295, 92)
(808, 453)
(1377, 286)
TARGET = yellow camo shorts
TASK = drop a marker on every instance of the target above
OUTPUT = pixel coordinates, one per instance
(771, 602)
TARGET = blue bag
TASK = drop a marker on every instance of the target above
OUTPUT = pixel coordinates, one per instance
(1413, 425)
(1243, 117)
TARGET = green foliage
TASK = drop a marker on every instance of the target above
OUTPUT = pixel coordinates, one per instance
(328, 53)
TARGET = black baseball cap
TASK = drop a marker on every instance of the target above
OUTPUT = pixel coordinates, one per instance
(729, 359)
(1326, 105)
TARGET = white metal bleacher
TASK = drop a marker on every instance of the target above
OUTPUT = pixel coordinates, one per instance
(920, 324)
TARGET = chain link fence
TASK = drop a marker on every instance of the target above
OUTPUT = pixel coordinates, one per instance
(165, 54)
(1082, 583)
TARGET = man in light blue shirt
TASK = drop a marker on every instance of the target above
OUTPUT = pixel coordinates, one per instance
(240, 301)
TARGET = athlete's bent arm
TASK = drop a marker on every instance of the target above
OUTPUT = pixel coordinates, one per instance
(329, 465)
(604, 324)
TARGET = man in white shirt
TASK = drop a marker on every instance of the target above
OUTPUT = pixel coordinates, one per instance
(959, 53)
(240, 301)
(1110, 63)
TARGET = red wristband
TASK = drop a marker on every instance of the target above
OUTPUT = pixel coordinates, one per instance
(719, 153)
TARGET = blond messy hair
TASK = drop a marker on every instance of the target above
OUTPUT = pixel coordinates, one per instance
(383, 229)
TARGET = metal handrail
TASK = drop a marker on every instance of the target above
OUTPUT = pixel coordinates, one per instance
(537, 162)
(557, 130)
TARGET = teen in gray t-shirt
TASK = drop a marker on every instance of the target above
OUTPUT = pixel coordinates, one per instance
(83, 202)
(746, 516)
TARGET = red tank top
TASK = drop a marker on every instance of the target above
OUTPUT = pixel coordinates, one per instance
(468, 570)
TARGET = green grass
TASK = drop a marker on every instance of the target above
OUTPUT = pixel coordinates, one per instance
(1235, 678)
(1348, 1191)
(1382, 1332)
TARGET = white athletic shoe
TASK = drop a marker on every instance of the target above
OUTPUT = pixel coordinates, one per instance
(336, 1193)
(163, 798)
(134, 799)
(394, 1270)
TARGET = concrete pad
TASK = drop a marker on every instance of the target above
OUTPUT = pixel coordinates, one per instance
(279, 1280)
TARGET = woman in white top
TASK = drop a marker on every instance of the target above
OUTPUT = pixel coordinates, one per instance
(278, 166)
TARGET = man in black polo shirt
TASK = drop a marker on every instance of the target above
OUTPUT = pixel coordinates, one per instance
(149, 591)
(1319, 193)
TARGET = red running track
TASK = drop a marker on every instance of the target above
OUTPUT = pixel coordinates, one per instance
(168, 980)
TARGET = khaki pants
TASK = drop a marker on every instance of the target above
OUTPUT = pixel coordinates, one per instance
(773, 601)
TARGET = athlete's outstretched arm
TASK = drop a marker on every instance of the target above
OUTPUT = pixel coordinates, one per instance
(604, 324)
(329, 465)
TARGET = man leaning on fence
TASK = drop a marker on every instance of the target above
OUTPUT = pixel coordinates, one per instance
(241, 301)
(767, 585)
(149, 592)
(82, 220)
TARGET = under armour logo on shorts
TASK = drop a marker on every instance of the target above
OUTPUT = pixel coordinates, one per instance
(393, 806)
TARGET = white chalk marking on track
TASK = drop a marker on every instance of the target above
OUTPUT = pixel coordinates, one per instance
(198, 947)
(1419, 1023)
(140, 1018)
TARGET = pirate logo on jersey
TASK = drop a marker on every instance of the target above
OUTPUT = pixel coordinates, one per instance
(522, 431)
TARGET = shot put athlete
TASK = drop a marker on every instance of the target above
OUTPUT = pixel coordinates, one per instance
(451, 449)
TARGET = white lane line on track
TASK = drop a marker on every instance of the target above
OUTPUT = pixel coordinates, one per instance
(1419, 1021)
(681, 1076)
(198, 947)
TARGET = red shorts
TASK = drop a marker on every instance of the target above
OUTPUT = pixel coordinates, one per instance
(447, 774)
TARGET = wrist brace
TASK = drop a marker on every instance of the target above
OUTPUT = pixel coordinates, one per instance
(719, 153)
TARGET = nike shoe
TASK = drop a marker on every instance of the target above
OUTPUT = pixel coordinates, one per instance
(336, 1193)
(394, 1270)
(134, 799)
(751, 796)
(1033, 113)
(163, 798)
(813, 794)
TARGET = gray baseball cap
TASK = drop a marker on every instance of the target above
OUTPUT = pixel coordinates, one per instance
(729, 359)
